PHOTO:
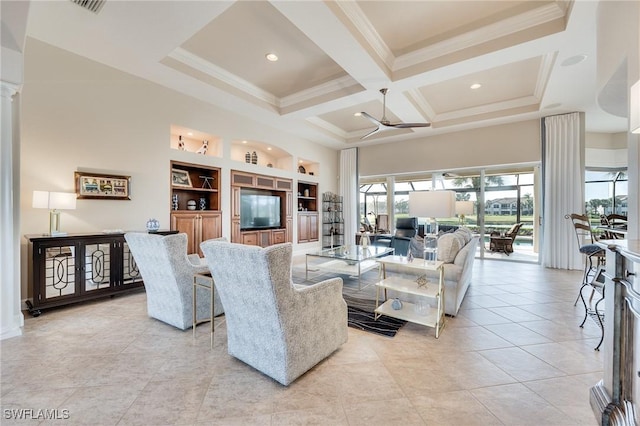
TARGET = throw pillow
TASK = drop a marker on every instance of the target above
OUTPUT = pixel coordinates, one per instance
(448, 247)
(465, 233)
(416, 247)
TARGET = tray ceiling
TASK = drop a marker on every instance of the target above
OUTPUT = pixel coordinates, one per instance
(333, 57)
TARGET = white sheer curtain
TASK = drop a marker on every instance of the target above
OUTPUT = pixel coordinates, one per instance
(349, 192)
(563, 170)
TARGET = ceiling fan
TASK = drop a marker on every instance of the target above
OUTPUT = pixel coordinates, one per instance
(384, 122)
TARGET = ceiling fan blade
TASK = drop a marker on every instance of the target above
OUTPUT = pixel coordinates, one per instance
(372, 119)
(384, 122)
(370, 133)
(408, 125)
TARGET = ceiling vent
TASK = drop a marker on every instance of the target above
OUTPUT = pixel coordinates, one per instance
(93, 5)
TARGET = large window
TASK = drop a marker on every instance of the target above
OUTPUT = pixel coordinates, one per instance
(605, 193)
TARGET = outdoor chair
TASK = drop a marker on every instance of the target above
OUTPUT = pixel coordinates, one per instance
(613, 222)
(504, 243)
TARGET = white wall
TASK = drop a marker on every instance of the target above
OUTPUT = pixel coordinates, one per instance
(513, 143)
(81, 115)
(606, 150)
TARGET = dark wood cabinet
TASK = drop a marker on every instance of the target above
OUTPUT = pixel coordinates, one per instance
(78, 267)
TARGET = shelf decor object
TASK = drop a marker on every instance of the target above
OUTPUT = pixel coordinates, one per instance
(180, 178)
(102, 186)
(54, 201)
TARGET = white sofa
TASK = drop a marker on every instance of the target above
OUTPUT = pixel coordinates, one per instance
(457, 249)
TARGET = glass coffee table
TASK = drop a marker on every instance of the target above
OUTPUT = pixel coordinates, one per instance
(349, 260)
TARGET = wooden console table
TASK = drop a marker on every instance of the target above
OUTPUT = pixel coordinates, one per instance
(78, 267)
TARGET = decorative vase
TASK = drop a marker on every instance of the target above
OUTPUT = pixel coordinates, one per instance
(153, 225)
(254, 158)
(306, 192)
(174, 201)
(191, 205)
(202, 203)
(247, 157)
(364, 240)
(396, 304)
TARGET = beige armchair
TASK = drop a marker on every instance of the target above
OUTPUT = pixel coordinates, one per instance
(167, 273)
(277, 327)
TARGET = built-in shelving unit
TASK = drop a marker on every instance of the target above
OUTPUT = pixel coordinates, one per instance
(195, 203)
(307, 212)
(332, 220)
(308, 167)
(195, 142)
(253, 200)
(261, 154)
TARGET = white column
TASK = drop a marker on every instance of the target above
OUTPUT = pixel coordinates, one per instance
(391, 189)
(11, 316)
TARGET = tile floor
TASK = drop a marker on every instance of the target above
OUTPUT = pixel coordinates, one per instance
(513, 356)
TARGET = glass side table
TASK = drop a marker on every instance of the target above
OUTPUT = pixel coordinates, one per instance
(202, 280)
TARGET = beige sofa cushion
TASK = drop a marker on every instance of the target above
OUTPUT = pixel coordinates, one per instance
(448, 246)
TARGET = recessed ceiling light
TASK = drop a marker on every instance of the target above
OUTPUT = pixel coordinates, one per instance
(244, 141)
(475, 86)
(573, 60)
(268, 148)
(357, 114)
(189, 133)
(271, 57)
(300, 161)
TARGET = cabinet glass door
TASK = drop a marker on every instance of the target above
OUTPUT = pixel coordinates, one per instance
(59, 271)
(130, 272)
(97, 266)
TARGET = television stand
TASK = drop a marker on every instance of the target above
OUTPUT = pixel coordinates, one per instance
(278, 187)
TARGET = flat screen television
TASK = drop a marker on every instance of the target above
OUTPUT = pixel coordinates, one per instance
(259, 209)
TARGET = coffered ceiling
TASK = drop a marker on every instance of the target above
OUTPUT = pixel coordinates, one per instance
(334, 57)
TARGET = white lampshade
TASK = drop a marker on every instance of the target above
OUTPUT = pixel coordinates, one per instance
(40, 200)
(54, 200)
(634, 108)
(464, 207)
(62, 200)
(432, 203)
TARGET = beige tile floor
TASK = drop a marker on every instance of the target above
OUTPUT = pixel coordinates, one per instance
(513, 356)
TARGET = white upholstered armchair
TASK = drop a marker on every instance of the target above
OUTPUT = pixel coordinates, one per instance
(167, 273)
(277, 327)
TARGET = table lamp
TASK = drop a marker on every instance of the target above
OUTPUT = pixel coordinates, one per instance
(54, 201)
(432, 204)
(463, 208)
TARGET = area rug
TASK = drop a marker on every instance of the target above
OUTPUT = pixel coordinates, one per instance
(361, 316)
(359, 309)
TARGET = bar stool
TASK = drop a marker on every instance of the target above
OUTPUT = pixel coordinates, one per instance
(587, 246)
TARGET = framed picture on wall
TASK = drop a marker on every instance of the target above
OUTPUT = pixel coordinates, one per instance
(180, 178)
(102, 187)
